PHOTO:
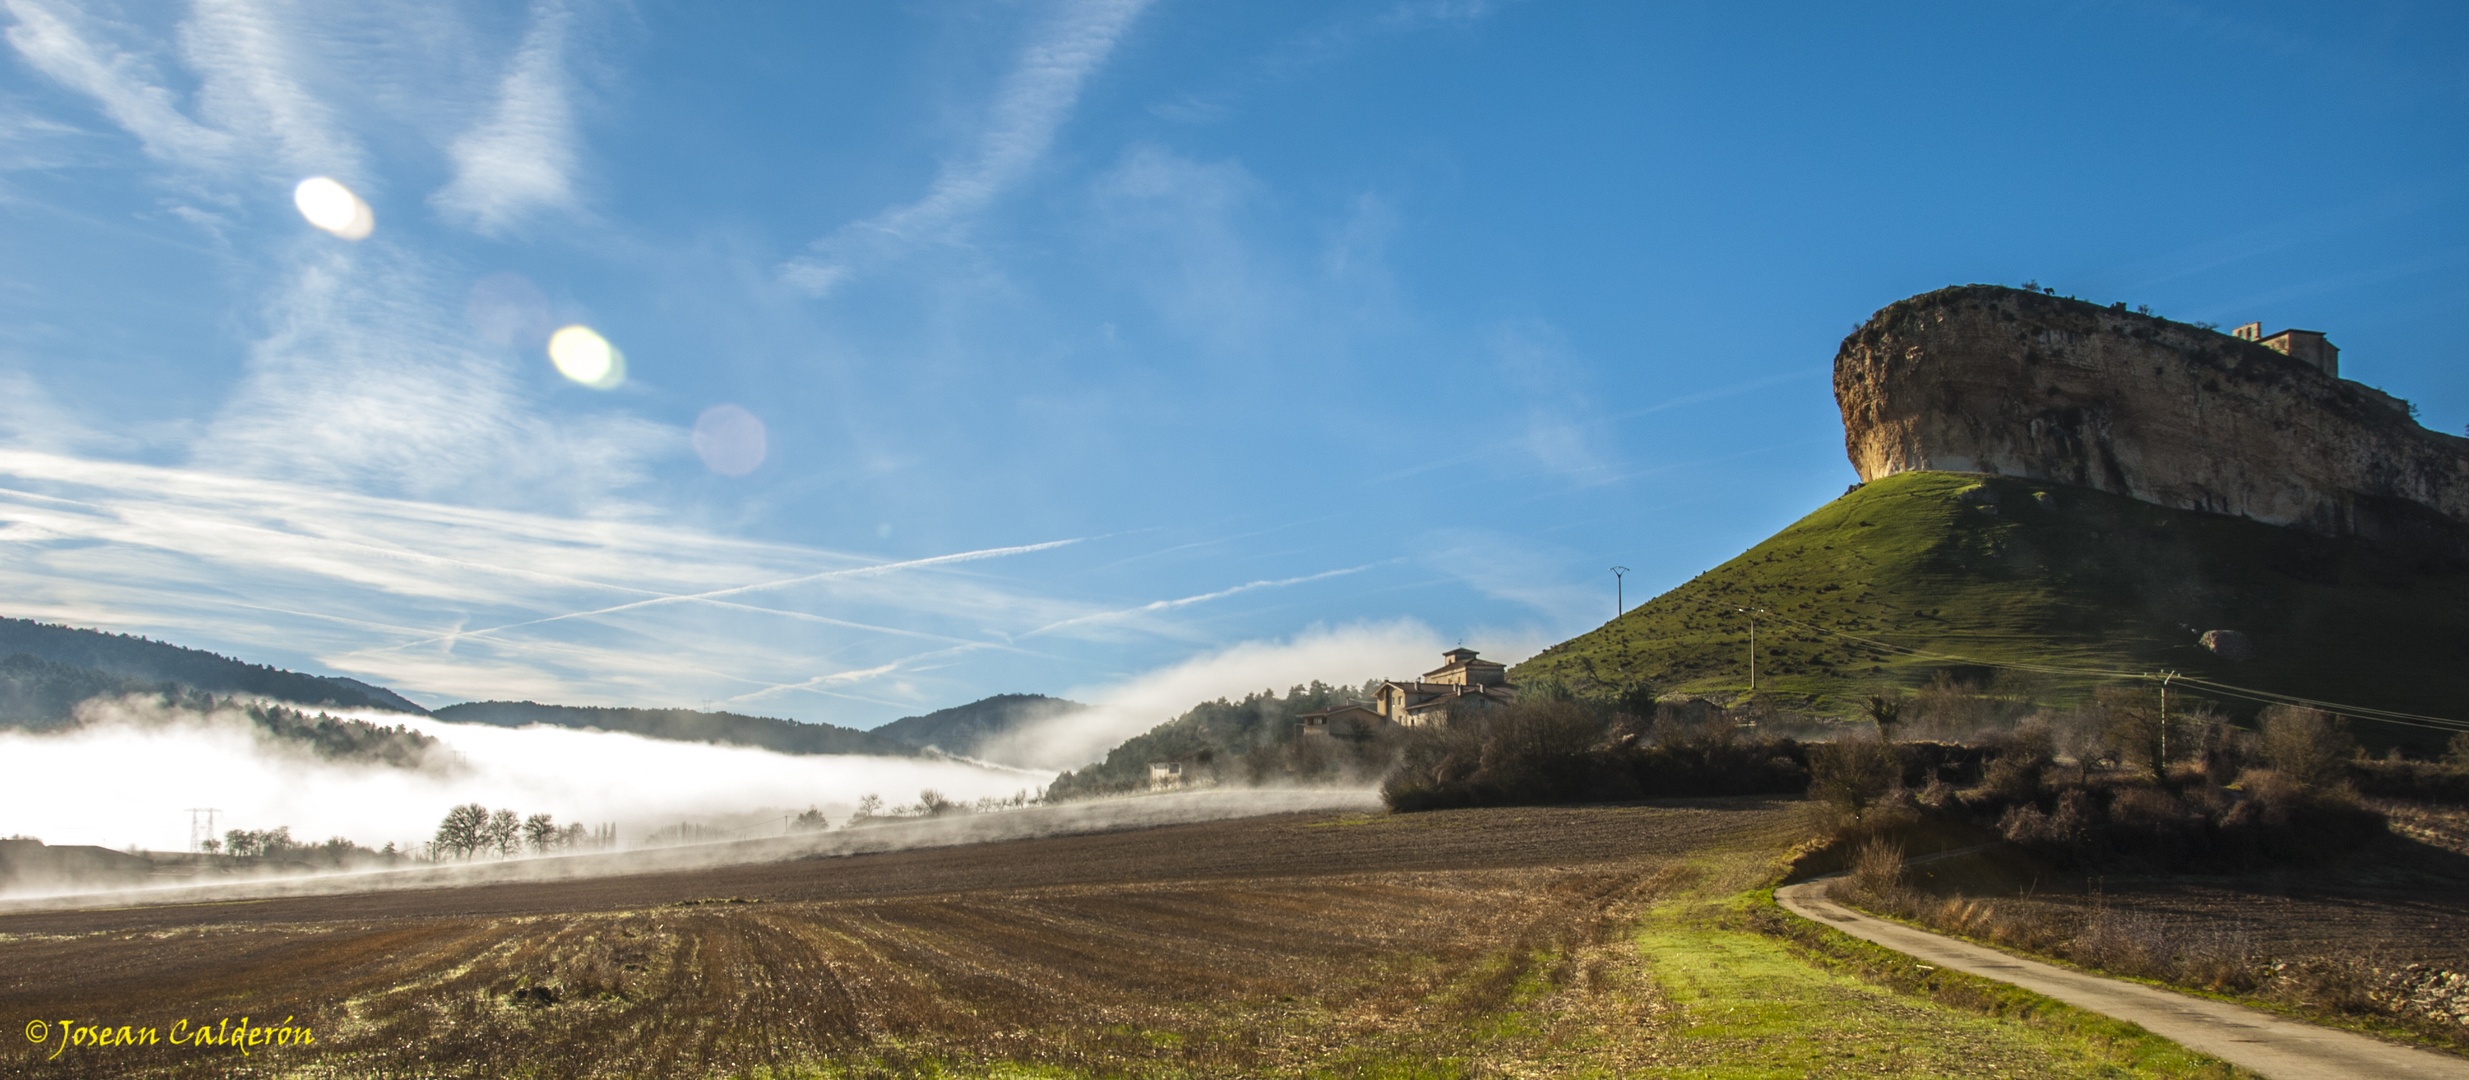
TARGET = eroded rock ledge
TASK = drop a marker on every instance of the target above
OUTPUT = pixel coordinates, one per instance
(1980, 378)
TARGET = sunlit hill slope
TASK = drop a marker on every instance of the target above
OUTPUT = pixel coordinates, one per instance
(2016, 571)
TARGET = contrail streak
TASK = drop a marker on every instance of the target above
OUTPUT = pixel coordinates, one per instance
(1168, 605)
(857, 571)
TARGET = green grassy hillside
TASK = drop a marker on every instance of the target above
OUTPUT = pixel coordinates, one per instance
(2009, 570)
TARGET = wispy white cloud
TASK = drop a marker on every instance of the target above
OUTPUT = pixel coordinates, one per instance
(388, 587)
(364, 383)
(1535, 576)
(31, 418)
(1341, 35)
(1033, 102)
(253, 70)
(365, 378)
(522, 158)
(1175, 228)
(124, 84)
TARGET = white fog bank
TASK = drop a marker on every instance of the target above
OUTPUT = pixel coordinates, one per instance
(129, 776)
(1034, 822)
(1344, 656)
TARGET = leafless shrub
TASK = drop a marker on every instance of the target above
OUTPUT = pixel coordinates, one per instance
(2309, 746)
(1853, 774)
(2024, 754)
(1878, 869)
(2126, 944)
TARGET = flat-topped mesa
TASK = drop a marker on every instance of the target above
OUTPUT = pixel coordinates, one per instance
(1980, 378)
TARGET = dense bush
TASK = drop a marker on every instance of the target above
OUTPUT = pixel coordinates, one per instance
(1555, 749)
(2146, 793)
(2419, 781)
(2186, 822)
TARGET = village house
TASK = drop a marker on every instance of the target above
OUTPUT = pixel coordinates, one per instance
(1165, 775)
(1464, 681)
(1344, 721)
(1195, 769)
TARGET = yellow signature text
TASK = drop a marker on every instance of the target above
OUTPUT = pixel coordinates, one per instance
(244, 1034)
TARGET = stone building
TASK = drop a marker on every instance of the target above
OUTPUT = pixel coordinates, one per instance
(2307, 345)
(1464, 681)
(1343, 721)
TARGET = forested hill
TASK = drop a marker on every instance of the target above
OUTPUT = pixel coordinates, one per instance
(155, 661)
(965, 729)
(1219, 729)
(683, 725)
(40, 695)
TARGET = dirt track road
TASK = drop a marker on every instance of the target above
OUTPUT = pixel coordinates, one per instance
(2249, 1038)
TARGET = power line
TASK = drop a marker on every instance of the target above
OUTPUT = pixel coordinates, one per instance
(2247, 693)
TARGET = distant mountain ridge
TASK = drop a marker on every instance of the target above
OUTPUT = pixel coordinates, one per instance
(157, 661)
(41, 696)
(967, 729)
(683, 725)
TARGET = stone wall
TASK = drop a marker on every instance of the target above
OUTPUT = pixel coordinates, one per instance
(1986, 379)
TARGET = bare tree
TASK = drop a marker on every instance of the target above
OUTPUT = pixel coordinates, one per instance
(1853, 774)
(542, 832)
(464, 830)
(1886, 712)
(2134, 729)
(871, 806)
(504, 832)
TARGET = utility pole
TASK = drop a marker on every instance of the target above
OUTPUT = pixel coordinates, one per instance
(2163, 768)
(1620, 604)
(1752, 614)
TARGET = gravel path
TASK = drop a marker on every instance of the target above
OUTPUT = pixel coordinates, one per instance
(2249, 1038)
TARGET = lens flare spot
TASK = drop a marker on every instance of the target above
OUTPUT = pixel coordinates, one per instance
(332, 207)
(583, 355)
(729, 439)
(507, 309)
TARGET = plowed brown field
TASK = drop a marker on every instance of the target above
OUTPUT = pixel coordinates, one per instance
(1234, 947)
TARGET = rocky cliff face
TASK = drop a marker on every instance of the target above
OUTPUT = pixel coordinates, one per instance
(1986, 379)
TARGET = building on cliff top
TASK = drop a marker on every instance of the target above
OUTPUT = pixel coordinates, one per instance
(1464, 681)
(1981, 378)
(2307, 345)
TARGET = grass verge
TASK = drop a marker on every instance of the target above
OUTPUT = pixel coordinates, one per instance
(1761, 993)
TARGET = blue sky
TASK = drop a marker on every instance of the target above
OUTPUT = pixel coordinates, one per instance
(1080, 345)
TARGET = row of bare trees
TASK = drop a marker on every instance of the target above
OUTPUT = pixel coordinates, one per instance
(474, 829)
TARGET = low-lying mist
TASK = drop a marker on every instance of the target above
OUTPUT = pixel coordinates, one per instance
(1344, 656)
(129, 773)
(889, 834)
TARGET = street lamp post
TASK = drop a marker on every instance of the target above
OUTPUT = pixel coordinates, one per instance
(1620, 603)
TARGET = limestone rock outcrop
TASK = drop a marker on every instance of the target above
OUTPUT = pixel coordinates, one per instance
(1981, 378)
